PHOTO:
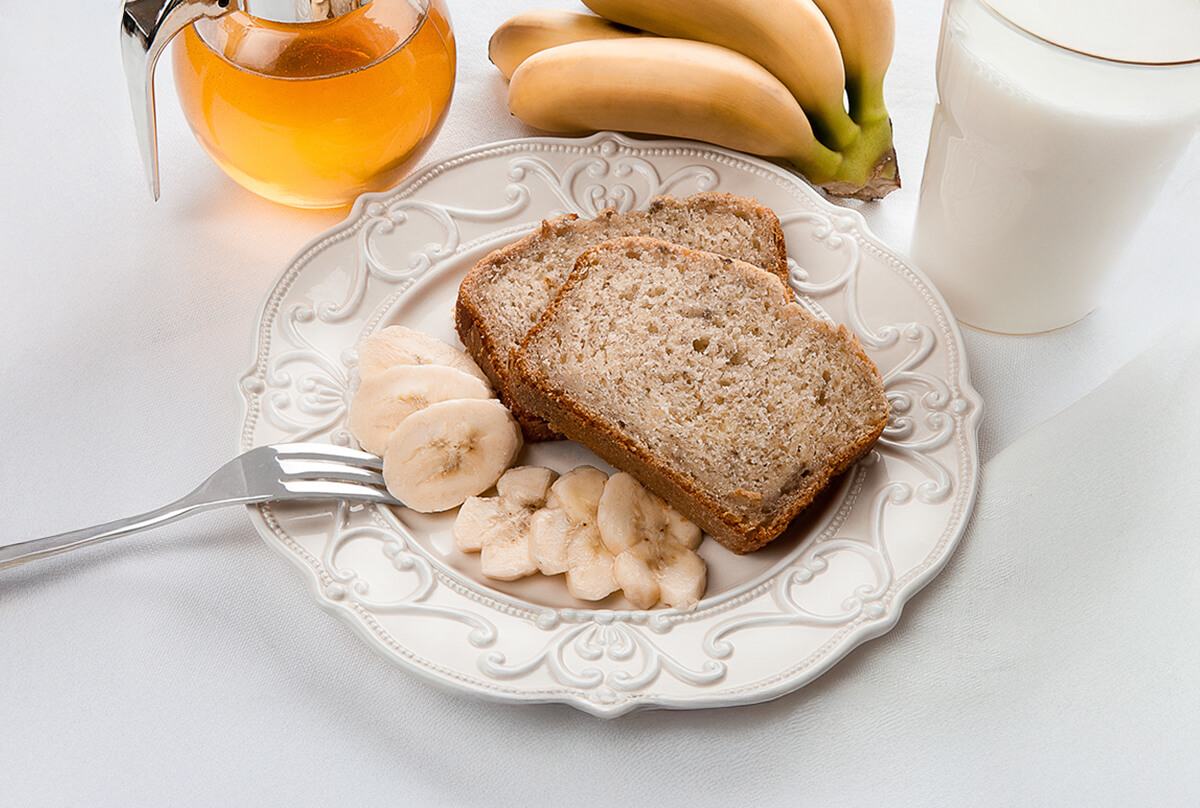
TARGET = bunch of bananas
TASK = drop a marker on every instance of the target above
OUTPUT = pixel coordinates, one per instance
(768, 77)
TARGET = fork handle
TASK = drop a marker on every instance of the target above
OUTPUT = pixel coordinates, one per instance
(13, 554)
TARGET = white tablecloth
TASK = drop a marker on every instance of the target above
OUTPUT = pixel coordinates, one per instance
(1053, 662)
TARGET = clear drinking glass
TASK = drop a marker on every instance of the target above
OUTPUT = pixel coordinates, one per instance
(1055, 127)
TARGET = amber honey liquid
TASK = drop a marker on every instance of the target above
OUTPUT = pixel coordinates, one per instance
(313, 114)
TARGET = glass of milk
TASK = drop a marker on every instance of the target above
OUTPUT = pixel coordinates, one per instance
(1057, 122)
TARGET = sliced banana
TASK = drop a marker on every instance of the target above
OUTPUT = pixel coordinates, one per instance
(474, 519)
(548, 531)
(605, 533)
(526, 487)
(578, 492)
(398, 345)
(499, 526)
(439, 456)
(627, 513)
(682, 530)
(506, 553)
(667, 572)
(572, 502)
(663, 570)
(387, 398)
(589, 565)
(565, 537)
(654, 546)
(506, 557)
(633, 573)
(682, 576)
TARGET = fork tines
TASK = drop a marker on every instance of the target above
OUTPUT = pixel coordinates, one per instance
(322, 469)
(329, 452)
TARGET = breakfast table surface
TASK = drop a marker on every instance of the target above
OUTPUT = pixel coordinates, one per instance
(1054, 661)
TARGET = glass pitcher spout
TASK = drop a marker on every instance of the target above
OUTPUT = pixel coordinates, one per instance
(146, 28)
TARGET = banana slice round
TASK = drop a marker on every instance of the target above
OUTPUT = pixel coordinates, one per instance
(570, 505)
(627, 513)
(633, 572)
(654, 546)
(565, 537)
(682, 530)
(682, 576)
(475, 518)
(506, 553)
(439, 456)
(398, 345)
(526, 487)
(387, 398)
(589, 565)
(549, 530)
(578, 492)
(499, 526)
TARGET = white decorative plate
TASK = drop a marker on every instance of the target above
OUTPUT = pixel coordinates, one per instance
(771, 621)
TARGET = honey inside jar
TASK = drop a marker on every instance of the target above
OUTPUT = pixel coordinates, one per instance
(312, 114)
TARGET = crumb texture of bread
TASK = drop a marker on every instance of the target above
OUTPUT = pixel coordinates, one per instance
(506, 293)
(702, 376)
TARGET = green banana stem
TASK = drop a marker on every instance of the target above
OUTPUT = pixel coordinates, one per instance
(868, 169)
(866, 99)
(818, 163)
(837, 132)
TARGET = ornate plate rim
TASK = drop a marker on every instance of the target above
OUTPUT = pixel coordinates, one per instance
(783, 682)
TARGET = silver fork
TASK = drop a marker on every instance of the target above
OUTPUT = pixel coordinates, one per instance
(265, 474)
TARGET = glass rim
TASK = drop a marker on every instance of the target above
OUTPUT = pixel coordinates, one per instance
(1003, 18)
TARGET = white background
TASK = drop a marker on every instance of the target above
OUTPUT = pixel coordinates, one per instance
(1053, 662)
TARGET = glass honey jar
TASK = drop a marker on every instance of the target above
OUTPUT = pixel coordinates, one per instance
(309, 112)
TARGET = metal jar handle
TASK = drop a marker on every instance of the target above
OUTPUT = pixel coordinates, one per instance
(146, 28)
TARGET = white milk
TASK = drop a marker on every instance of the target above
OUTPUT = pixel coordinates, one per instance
(1042, 162)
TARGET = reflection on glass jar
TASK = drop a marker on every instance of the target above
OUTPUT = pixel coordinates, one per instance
(312, 114)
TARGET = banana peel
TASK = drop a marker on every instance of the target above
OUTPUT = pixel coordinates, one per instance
(863, 168)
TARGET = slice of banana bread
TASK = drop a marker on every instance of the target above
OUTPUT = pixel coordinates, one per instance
(505, 293)
(702, 377)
